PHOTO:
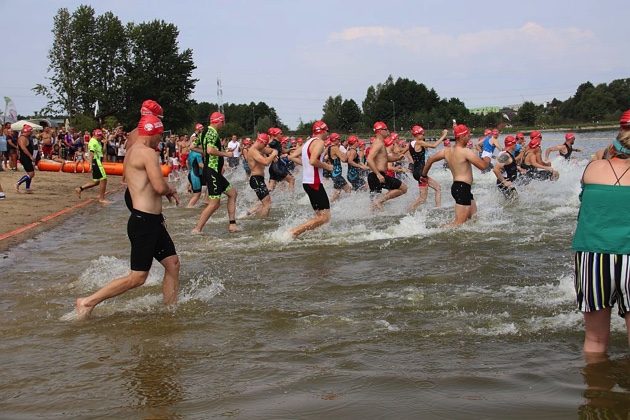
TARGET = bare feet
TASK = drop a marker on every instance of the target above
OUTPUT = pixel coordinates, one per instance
(78, 191)
(17, 188)
(232, 228)
(104, 201)
(195, 231)
(83, 310)
(28, 191)
(377, 205)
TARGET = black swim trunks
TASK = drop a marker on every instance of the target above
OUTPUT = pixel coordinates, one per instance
(376, 186)
(98, 172)
(357, 183)
(461, 193)
(257, 182)
(27, 164)
(216, 183)
(317, 196)
(149, 239)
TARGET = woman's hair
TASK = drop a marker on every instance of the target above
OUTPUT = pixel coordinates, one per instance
(624, 139)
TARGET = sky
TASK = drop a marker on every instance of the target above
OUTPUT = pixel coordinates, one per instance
(295, 54)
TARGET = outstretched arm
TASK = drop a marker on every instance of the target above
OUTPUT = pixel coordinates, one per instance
(434, 158)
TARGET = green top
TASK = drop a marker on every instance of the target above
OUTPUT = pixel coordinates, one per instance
(210, 137)
(96, 148)
(602, 226)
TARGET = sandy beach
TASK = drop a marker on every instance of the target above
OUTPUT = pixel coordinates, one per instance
(52, 192)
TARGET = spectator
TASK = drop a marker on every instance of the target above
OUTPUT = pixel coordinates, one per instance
(120, 144)
(4, 151)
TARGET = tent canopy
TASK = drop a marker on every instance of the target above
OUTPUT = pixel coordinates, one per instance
(17, 126)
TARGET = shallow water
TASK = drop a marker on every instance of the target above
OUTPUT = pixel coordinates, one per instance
(373, 316)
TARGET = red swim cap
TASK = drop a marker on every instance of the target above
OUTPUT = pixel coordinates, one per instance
(274, 131)
(416, 129)
(300, 140)
(379, 125)
(198, 126)
(150, 107)
(534, 143)
(624, 120)
(520, 135)
(495, 132)
(509, 141)
(263, 138)
(569, 136)
(319, 127)
(388, 141)
(535, 134)
(217, 118)
(27, 129)
(361, 143)
(334, 137)
(352, 140)
(150, 125)
(460, 130)
(394, 136)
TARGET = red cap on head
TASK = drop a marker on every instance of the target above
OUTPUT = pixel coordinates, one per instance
(26, 129)
(495, 132)
(217, 118)
(394, 136)
(334, 137)
(379, 125)
(247, 142)
(509, 141)
(388, 141)
(327, 142)
(416, 129)
(534, 143)
(361, 143)
(319, 127)
(535, 134)
(198, 126)
(352, 140)
(263, 138)
(150, 107)
(624, 120)
(487, 131)
(97, 132)
(150, 125)
(520, 135)
(460, 130)
(299, 140)
(274, 131)
(569, 136)
(447, 143)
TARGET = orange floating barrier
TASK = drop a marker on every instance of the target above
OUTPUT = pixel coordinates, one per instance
(49, 165)
(72, 167)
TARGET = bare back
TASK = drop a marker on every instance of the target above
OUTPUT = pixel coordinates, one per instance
(459, 160)
(253, 160)
(141, 165)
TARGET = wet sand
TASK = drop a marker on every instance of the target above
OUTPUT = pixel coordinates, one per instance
(52, 192)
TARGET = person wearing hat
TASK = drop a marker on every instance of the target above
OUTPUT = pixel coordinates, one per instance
(27, 159)
(533, 164)
(377, 160)
(209, 145)
(99, 177)
(600, 243)
(488, 145)
(356, 169)
(506, 170)
(417, 153)
(257, 160)
(565, 149)
(624, 126)
(279, 169)
(313, 164)
(146, 227)
(460, 160)
(336, 156)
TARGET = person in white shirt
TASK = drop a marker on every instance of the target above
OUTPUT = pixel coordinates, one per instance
(234, 146)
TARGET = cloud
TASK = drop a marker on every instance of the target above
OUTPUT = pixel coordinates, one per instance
(531, 39)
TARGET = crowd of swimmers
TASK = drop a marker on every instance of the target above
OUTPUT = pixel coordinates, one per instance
(601, 242)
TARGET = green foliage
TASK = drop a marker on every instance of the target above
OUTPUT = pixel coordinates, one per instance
(82, 122)
(98, 58)
(528, 113)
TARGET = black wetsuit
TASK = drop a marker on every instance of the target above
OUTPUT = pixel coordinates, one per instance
(511, 173)
(419, 159)
(567, 155)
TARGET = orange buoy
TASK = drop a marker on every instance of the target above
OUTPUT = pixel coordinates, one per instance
(73, 167)
(49, 165)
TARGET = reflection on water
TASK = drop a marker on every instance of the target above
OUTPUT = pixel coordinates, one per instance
(607, 393)
(373, 316)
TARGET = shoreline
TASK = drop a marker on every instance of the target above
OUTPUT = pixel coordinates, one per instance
(24, 216)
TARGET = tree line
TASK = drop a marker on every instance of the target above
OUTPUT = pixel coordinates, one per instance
(98, 58)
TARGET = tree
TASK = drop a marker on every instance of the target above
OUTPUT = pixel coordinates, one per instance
(528, 113)
(349, 115)
(332, 112)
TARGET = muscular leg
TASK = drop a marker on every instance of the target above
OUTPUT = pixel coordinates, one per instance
(84, 187)
(597, 331)
(101, 192)
(291, 181)
(213, 205)
(193, 200)
(231, 208)
(84, 306)
(390, 194)
(422, 197)
(321, 217)
(170, 283)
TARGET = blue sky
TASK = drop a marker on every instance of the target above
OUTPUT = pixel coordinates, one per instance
(294, 54)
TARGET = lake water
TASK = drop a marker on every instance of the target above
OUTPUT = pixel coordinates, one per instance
(382, 315)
